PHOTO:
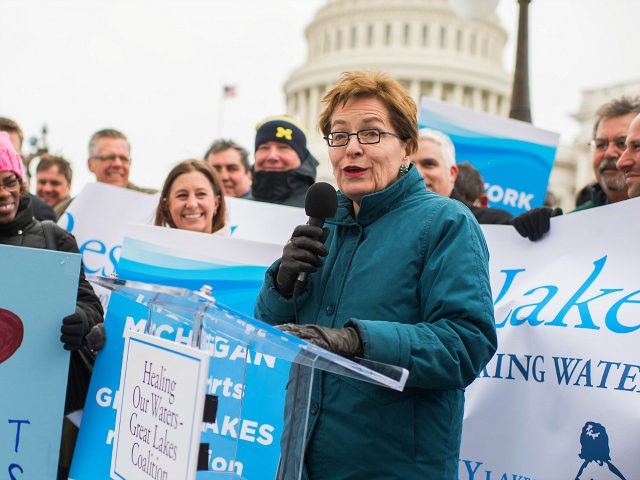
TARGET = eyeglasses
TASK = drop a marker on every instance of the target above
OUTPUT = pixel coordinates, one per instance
(10, 184)
(601, 144)
(112, 158)
(365, 137)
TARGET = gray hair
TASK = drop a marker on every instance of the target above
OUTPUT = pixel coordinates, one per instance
(618, 107)
(105, 133)
(446, 145)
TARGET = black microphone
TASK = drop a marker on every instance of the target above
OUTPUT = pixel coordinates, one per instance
(320, 202)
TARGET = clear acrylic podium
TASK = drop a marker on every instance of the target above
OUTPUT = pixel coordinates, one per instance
(256, 372)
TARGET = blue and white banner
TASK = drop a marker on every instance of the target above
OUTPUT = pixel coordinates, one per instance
(560, 398)
(253, 383)
(514, 158)
(101, 215)
(99, 218)
(38, 289)
(235, 270)
(233, 267)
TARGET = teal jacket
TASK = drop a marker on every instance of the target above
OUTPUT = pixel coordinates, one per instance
(411, 274)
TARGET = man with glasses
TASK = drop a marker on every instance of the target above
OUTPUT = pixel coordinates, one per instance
(609, 142)
(110, 159)
(284, 168)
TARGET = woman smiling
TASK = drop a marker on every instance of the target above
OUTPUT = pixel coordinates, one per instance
(192, 198)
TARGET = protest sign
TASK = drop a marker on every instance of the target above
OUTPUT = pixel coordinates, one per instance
(98, 217)
(560, 397)
(253, 438)
(101, 215)
(33, 362)
(514, 158)
(233, 267)
(162, 392)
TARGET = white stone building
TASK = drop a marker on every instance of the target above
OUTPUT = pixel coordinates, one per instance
(422, 43)
(432, 52)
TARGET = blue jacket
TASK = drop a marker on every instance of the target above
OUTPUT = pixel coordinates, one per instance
(411, 274)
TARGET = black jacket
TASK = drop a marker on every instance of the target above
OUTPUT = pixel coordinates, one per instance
(486, 215)
(26, 231)
(41, 210)
(598, 198)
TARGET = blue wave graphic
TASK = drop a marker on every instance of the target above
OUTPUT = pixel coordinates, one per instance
(237, 286)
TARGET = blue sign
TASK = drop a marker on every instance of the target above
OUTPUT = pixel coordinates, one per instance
(513, 157)
(245, 438)
(38, 289)
(236, 286)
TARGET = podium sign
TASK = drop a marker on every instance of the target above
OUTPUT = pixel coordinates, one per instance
(162, 391)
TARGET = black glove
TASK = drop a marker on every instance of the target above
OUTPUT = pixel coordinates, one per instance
(343, 341)
(301, 254)
(534, 223)
(96, 338)
(74, 328)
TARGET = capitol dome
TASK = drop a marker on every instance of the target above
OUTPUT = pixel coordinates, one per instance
(421, 43)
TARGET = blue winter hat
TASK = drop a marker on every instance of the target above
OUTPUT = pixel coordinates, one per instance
(282, 129)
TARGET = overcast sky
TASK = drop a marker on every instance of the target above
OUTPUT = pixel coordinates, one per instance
(155, 68)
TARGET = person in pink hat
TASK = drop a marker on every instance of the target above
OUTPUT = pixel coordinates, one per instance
(19, 228)
(41, 210)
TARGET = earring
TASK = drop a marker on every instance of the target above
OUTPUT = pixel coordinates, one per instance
(404, 169)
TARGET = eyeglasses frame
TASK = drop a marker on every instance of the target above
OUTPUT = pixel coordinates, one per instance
(13, 188)
(617, 142)
(357, 135)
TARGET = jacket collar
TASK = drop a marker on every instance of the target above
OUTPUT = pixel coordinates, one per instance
(376, 204)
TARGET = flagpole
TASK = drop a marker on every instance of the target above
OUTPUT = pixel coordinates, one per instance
(221, 114)
(228, 91)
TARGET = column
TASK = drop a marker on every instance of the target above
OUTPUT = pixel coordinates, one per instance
(437, 90)
(314, 104)
(414, 90)
(477, 99)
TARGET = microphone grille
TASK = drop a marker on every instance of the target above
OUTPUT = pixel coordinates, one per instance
(321, 201)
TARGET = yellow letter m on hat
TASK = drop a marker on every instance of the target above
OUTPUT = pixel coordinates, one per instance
(282, 132)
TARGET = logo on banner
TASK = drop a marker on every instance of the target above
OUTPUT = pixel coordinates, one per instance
(595, 453)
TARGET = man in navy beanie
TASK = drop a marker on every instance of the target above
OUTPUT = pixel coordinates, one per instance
(284, 168)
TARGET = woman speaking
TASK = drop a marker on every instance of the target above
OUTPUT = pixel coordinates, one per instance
(404, 281)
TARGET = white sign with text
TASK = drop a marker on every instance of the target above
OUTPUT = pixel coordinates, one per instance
(162, 393)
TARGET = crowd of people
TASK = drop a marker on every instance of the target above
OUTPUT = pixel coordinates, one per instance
(284, 168)
(394, 181)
